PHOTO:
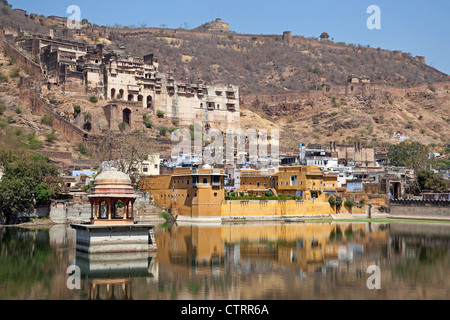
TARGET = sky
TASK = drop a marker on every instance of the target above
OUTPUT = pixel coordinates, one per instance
(417, 27)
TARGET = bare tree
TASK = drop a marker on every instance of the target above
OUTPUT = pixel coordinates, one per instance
(126, 150)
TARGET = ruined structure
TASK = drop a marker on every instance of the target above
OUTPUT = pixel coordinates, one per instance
(126, 80)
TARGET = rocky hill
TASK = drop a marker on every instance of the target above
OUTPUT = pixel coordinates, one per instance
(295, 84)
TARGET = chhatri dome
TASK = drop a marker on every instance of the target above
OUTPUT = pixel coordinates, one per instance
(111, 198)
(112, 182)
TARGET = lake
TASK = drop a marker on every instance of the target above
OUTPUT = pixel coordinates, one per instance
(327, 260)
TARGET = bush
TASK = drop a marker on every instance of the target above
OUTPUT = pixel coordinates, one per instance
(2, 108)
(93, 99)
(160, 114)
(15, 73)
(349, 202)
(147, 122)
(3, 78)
(76, 111)
(18, 110)
(241, 193)
(122, 126)
(51, 136)
(163, 131)
(47, 120)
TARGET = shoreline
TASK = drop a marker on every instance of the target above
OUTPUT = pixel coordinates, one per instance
(47, 223)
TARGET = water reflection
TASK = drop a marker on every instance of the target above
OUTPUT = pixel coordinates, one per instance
(250, 261)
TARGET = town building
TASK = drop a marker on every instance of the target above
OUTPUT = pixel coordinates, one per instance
(192, 192)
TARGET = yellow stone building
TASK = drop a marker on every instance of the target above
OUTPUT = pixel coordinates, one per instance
(188, 191)
(304, 181)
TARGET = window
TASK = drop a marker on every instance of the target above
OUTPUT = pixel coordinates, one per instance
(156, 166)
(145, 169)
(205, 180)
(215, 194)
(257, 183)
(187, 182)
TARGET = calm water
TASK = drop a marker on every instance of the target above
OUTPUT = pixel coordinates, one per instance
(265, 261)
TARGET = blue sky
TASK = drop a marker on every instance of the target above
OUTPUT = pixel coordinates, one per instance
(418, 27)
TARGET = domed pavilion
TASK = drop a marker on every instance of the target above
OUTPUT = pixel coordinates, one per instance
(112, 199)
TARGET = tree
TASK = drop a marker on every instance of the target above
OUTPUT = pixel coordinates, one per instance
(42, 193)
(324, 35)
(428, 180)
(126, 149)
(413, 155)
(23, 173)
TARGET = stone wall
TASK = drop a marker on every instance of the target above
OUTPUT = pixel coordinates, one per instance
(24, 62)
(420, 208)
(63, 126)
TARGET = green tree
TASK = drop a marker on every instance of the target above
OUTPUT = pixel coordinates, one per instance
(413, 155)
(42, 193)
(23, 172)
(428, 180)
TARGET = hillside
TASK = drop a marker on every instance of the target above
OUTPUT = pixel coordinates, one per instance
(293, 84)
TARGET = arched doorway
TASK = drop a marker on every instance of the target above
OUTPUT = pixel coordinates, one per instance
(121, 93)
(149, 101)
(113, 93)
(126, 116)
(130, 97)
(140, 98)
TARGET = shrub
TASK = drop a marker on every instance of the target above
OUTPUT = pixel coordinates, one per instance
(241, 193)
(81, 148)
(2, 108)
(51, 136)
(160, 114)
(15, 73)
(332, 200)
(47, 120)
(163, 131)
(93, 99)
(3, 78)
(349, 202)
(122, 126)
(76, 111)
(18, 110)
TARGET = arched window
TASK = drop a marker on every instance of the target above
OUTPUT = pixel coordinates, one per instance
(140, 98)
(205, 180)
(130, 97)
(149, 101)
(126, 116)
(121, 93)
(113, 93)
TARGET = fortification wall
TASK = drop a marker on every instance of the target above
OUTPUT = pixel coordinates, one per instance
(420, 208)
(24, 62)
(63, 126)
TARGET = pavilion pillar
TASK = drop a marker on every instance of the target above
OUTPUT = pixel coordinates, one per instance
(92, 209)
(96, 209)
(132, 209)
(125, 210)
(108, 202)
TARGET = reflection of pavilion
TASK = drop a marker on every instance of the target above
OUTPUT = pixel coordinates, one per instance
(110, 275)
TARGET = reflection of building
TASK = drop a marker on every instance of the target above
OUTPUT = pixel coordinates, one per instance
(292, 246)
